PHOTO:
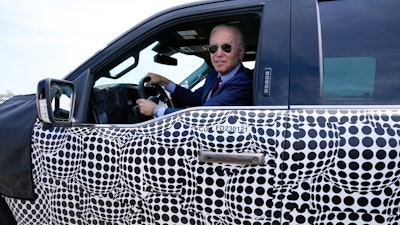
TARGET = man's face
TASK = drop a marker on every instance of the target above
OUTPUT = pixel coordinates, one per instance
(222, 61)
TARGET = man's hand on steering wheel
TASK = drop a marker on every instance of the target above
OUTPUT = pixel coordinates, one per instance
(157, 79)
(146, 107)
(147, 103)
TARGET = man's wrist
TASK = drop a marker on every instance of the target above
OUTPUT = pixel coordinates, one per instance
(155, 111)
(159, 111)
(164, 81)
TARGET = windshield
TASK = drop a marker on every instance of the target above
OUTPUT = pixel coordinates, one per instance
(186, 65)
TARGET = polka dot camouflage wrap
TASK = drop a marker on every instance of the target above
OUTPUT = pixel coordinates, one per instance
(321, 167)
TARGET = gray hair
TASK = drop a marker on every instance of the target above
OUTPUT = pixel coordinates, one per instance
(235, 29)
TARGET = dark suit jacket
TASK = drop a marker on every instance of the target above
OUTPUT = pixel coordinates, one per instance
(236, 91)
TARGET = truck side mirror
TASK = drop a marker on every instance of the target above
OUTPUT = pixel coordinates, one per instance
(55, 100)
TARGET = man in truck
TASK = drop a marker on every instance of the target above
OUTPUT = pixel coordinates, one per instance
(230, 83)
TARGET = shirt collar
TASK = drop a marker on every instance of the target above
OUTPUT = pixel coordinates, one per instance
(229, 75)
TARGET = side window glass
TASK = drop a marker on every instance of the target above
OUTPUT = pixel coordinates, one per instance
(342, 73)
(361, 52)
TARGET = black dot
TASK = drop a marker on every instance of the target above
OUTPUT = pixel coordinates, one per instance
(354, 154)
(354, 165)
(367, 166)
(353, 141)
(366, 130)
(349, 200)
(362, 201)
(353, 130)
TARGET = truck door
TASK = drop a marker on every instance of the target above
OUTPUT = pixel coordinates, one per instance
(200, 165)
(344, 148)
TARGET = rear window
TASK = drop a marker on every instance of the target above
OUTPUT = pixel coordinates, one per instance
(361, 52)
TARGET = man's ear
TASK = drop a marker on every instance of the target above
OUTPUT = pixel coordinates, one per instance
(241, 52)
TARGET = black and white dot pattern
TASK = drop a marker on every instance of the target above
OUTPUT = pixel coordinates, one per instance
(321, 167)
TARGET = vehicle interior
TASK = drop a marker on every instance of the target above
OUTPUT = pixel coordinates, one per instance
(179, 52)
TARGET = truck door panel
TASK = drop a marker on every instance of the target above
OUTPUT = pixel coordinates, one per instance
(345, 133)
(147, 171)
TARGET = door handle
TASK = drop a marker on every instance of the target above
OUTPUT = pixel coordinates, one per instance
(245, 158)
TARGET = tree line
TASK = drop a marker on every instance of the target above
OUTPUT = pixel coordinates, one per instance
(8, 94)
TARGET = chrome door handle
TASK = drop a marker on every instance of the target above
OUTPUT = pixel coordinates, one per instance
(232, 157)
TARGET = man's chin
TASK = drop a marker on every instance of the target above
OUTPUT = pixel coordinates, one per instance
(220, 70)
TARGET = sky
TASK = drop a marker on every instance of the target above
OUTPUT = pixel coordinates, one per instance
(50, 38)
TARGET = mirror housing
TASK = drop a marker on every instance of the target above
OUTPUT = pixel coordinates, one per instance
(166, 60)
(55, 100)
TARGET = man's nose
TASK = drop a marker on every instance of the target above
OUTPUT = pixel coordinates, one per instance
(219, 51)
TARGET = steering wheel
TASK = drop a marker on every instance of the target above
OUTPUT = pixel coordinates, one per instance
(161, 95)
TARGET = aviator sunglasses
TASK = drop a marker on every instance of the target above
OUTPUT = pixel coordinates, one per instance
(225, 47)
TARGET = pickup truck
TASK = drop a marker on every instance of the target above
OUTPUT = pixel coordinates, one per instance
(319, 145)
